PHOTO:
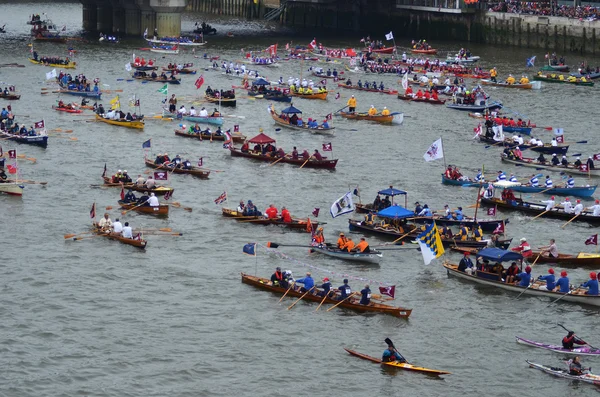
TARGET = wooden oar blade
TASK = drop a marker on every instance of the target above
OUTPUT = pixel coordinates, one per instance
(69, 236)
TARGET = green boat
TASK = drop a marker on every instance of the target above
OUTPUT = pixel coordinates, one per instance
(549, 79)
(556, 68)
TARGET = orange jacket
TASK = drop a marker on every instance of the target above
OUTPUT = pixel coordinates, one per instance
(349, 245)
(341, 242)
(362, 246)
(285, 215)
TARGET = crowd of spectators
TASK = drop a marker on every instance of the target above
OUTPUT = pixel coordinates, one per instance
(586, 12)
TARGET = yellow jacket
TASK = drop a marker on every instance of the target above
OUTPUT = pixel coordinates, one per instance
(510, 80)
(352, 102)
(493, 73)
(524, 80)
(372, 112)
(385, 112)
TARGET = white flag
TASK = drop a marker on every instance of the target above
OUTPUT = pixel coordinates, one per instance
(559, 131)
(435, 151)
(405, 80)
(389, 36)
(51, 75)
(343, 205)
(145, 32)
(128, 67)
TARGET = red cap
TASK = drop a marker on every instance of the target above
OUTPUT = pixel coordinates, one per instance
(593, 275)
(563, 273)
(467, 253)
(552, 198)
(579, 201)
(597, 201)
(551, 271)
(326, 279)
(567, 199)
(528, 269)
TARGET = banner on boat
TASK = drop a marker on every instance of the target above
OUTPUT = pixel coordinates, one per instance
(389, 36)
(435, 151)
(342, 206)
(592, 240)
(430, 243)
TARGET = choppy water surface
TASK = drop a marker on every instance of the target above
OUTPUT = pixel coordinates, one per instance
(98, 318)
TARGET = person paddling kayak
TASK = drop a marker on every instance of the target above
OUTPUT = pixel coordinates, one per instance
(391, 354)
(570, 340)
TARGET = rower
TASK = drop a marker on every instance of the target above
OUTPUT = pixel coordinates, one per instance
(524, 248)
(130, 197)
(278, 279)
(318, 238)
(342, 240)
(317, 155)
(534, 181)
(105, 223)
(591, 285)
(418, 207)
(477, 232)
(570, 182)
(285, 215)
(569, 341)
(541, 159)
(150, 183)
(524, 278)
(550, 281)
(479, 177)
(554, 142)
(385, 111)
(271, 212)
(575, 368)
(578, 208)
(308, 282)
(372, 111)
(362, 246)
(348, 245)
(524, 80)
(458, 214)
(590, 163)
(425, 211)
(548, 182)
(510, 79)
(549, 203)
(117, 226)
(563, 283)
(351, 104)
(127, 231)
(501, 176)
(567, 206)
(153, 200)
(391, 355)
(595, 208)
(365, 295)
(513, 178)
(463, 232)
(577, 163)
(344, 290)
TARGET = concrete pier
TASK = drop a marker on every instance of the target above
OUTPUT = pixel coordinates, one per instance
(168, 16)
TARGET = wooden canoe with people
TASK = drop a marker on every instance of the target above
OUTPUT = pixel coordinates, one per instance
(277, 118)
(312, 95)
(412, 98)
(533, 163)
(210, 136)
(139, 243)
(221, 100)
(157, 190)
(392, 118)
(161, 210)
(296, 224)
(137, 124)
(10, 95)
(310, 163)
(356, 87)
(373, 256)
(372, 307)
(69, 65)
(157, 79)
(195, 171)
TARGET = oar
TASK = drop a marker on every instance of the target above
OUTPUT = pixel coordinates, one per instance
(536, 259)
(324, 297)
(537, 216)
(340, 302)
(162, 229)
(33, 182)
(557, 299)
(131, 209)
(337, 111)
(522, 292)
(579, 338)
(177, 204)
(401, 237)
(67, 236)
(286, 292)
(570, 220)
(305, 162)
(299, 299)
(277, 161)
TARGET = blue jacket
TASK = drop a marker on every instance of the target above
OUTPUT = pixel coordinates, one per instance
(307, 281)
(326, 287)
(525, 279)
(345, 290)
(592, 286)
(366, 296)
(563, 283)
(389, 356)
(549, 279)
(459, 215)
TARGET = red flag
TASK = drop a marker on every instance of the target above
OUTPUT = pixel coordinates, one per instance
(122, 194)
(199, 82)
(312, 44)
(168, 194)
(12, 169)
(597, 156)
(389, 291)
(592, 240)
(337, 96)
(583, 167)
(327, 147)
(200, 162)
(161, 175)
(499, 229)
(12, 154)
(39, 124)
(236, 128)
(93, 211)
(316, 212)
(491, 211)
(560, 139)
(329, 116)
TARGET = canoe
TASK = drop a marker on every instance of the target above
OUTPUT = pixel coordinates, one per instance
(370, 257)
(158, 79)
(475, 108)
(578, 191)
(564, 373)
(137, 124)
(537, 209)
(157, 190)
(577, 351)
(430, 51)
(323, 75)
(556, 68)
(303, 127)
(161, 210)
(70, 65)
(204, 135)
(392, 118)
(275, 96)
(570, 169)
(67, 110)
(546, 149)
(180, 71)
(87, 94)
(518, 130)
(372, 307)
(312, 163)
(461, 60)
(117, 236)
(38, 140)
(491, 280)
(535, 85)
(10, 96)
(355, 87)
(314, 95)
(395, 364)
(415, 99)
(144, 68)
(222, 101)
(296, 224)
(588, 76)
(195, 171)
(218, 120)
(487, 225)
(549, 79)
(50, 39)
(384, 50)
(11, 189)
(391, 233)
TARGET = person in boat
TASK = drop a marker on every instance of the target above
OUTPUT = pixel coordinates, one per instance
(349, 82)
(458, 214)
(325, 124)
(105, 223)
(569, 341)
(541, 159)
(548, 182)
(245, 147)
(386, 202)
(130, 197)
(385, 111)
(523, 279)
(511, 273)
(140, 181)
(308, 282)
(501, 176)
(150, 183)
(591, 285)
(477, 232)
(318, 238)
(365, 295)
(215, 113)
(117, 226)
(510, 79)
(100, 110)
(317, 155)
(342, 240)
(351, 104)
(278, 279)
(348, 246)
(595, 208)
(524, 248)
(391, 355)
(325, 287)
(590, 163)
(555, 160)
(286, 217)
(550, 281)
(143, 199)
(344, 290)
(172, 103)
(271, 212)
(524, 80)
(418, 207)
(466, 264)
(408, 92)
(425, 211)
(463, 232)
(362, 246)
(493, 75)
(577, 163)
(575, 367)
(127, 231)
(372, 111)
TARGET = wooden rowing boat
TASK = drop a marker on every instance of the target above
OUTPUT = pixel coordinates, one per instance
(296, 224)
(157, 79)
(205, 135)
(137, 124)
(546, 149)
(314, 95)
(535, 85)
(399, 365)
(70, 65)
(355, 87)
(311, 163)
(517, 130)
(141, 243)
(549, 79)
(304, 127)
(430, 51)
(180, 71)
(87, 94)
(216, 120)
(423, 99)
(372, 256)
(161, 210)
(157, 190)
(220, 100)
(475, 108)
(570, 169)
(195, 171)
(392, 118)
(384, 50)
(493, 280)
(10, 96)
(537, 209)
(352, 304)
(38, 140)
(12, 189)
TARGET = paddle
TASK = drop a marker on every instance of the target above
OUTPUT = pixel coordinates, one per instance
(560, 325)
(537, 216)
(522, 292)
(337, 111)
(299, 299)
(570, 220)
(340, 302)
(288, 290)
(324, 297)
(277, 161)
(67, 236)
(305, 162)
(557, 299)
(177, 204)
(132, 208)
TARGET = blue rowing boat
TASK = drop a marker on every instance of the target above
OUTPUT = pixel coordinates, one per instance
(581, 191)
(518, 130)
(197, 119)
(38, 140)
(475, 108)
(87, 94)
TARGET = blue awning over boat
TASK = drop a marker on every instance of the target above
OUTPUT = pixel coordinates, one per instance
(395, 211)
(499, 255)
(291, 110)
(260, 81)
(391, 192)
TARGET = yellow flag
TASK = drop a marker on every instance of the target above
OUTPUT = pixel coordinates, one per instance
(114, 100)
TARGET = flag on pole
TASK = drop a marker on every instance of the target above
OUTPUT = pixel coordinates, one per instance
(12, 169)
(530, 62)
(329, 116)
(104, 172)
(499, 229)
(389, 36)
(199, 82)
(93, 211)
(343, 205)
(147, 144)
(435, 151)
(337, 96)
(51, 75)
(221, 199)
(161, 175)
(491, 211)
(430, 243)
(39, 124)
(12, 154)
(592, 240)
(228, 140)
(356, 191)
(405, 80)
(164, 89)
(200, 162)
(316, 212)
(327, 147)
(146, 33)
(168, 194)
(583, 167)
(477, 130)
(236, 128)
(312, 44)
(250, 249)
(128, 67)
(389, 291)
(122, 193)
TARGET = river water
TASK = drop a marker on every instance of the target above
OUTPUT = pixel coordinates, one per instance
(98, 318)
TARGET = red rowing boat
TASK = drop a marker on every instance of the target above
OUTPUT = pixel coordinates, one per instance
(415, 99)
(384, 50)
(68, 110)
(429, 51)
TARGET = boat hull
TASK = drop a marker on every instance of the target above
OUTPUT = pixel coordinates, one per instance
(474, 108)
(136, 124)
(296, 224)
(230, 102)
(312, 163)
(430, 51)
(195, 171)
(70, 65)
(393, 118)
(38, 140)
(425, 100)
(315, 95)
(530, 162)
(87, 94)
(210, 137)
(395, 364)
(528, 86)
(371, 257)
(355, 87)
(159, 190)
(161, 210)
(304, 127)
(563, 373)
(578, 351)
(11, 189)
(116, 236)
(198, 119)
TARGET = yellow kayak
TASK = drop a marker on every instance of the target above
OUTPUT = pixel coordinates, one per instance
(70, 65)
(395, 364)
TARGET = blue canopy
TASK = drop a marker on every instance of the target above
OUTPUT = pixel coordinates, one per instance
(391, 192)
(499, 255)
(291, 110)
(260, 81)
(395, 211)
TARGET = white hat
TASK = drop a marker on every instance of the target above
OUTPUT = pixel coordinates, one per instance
(151, 194)
(125, 171)
(523, 239)
(119, 171)
(554, 154)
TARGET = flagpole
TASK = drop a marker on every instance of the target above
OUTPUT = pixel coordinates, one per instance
(443, 154)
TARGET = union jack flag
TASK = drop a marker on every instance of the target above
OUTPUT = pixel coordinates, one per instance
(221, 199)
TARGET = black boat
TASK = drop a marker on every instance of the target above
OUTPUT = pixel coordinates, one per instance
(546, 149)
